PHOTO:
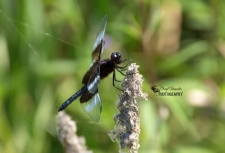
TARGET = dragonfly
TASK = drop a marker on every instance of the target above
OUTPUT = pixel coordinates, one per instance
(99, 69)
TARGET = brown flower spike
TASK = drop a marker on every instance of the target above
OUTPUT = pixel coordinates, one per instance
(127, 128)
(67, 135)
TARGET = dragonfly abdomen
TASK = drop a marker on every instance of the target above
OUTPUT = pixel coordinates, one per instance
(72, 98)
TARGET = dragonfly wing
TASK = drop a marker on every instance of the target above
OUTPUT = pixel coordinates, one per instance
(101, 32)
(93, 107)
(97, 50)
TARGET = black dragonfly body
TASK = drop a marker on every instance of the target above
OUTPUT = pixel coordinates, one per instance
(98, 69)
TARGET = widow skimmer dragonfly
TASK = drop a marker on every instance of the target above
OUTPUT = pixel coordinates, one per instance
(98, 69)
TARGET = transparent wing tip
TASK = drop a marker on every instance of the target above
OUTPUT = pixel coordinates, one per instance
(105, 17)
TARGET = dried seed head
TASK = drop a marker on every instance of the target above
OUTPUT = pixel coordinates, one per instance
(127, 128)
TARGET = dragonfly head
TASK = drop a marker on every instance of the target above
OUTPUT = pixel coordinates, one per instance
(116, 57)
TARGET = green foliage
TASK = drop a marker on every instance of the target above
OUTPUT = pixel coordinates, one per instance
(45, 49)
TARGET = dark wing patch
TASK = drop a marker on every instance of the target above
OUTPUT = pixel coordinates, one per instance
(96, 54)
(88, 74)
(86, 96)
(94, 80)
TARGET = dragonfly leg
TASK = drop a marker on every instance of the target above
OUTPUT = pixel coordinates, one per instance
(114, 79)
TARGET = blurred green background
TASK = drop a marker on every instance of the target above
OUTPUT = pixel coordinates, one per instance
(45, 49)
